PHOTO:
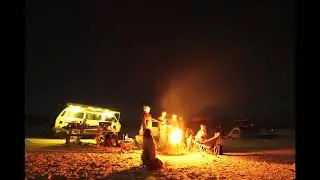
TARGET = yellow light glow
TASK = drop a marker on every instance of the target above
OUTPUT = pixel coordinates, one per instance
(176, 136)
(194, 158)
(74, 108)
(109, 114)
(95, 109)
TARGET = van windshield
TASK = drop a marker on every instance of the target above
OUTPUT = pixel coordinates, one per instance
(109, 118)
(78, 115)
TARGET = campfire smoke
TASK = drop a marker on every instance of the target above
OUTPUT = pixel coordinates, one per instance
(191, 92)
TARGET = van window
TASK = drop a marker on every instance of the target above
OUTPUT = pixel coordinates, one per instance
(90, 116)
(97, 117)
(76, 114)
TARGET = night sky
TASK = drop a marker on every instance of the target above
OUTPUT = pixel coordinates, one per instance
(237, 56)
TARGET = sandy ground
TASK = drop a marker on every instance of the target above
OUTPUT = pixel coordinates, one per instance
(51, 159)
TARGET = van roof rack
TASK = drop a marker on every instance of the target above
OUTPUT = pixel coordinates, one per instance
(93, 108)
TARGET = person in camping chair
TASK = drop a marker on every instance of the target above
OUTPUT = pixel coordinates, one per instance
(216, 141)
(201, 134)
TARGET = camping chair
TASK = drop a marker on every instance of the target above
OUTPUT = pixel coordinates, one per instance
(215, 144)
(211, 145)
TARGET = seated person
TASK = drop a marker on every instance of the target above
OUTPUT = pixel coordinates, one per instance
(99, 135)
(108, 140)
(148, 155)
(201, 134)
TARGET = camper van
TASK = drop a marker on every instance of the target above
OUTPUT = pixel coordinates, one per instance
(91, 116)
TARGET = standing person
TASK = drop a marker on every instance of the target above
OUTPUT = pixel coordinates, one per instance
(174, 121)
(163, 129)
(163, 117)
(148, 155)
(146, 121)
(188, 138)
(181, 122)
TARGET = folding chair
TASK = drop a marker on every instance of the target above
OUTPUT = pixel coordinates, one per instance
(211, 145)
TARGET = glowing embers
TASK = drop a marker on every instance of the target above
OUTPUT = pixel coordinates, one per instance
(176, 145)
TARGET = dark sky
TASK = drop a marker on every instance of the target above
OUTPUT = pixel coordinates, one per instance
(238, 56)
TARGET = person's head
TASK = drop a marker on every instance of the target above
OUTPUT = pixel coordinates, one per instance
(147, 133)
(146, 109)
(163, 114)
(202, 127)
(174, 117)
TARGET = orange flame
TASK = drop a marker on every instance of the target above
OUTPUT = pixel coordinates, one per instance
(176, 136)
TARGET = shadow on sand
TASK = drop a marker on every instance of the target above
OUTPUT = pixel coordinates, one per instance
(135, 173)
(269, 158)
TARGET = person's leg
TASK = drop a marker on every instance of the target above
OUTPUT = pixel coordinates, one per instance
(145, 158)
(155, 164)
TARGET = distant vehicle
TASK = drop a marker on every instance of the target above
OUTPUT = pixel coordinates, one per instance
(251, 132)
(267, 133)
(92, 117)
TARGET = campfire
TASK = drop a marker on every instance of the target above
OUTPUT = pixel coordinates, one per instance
(175, 142)
(176, 136)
